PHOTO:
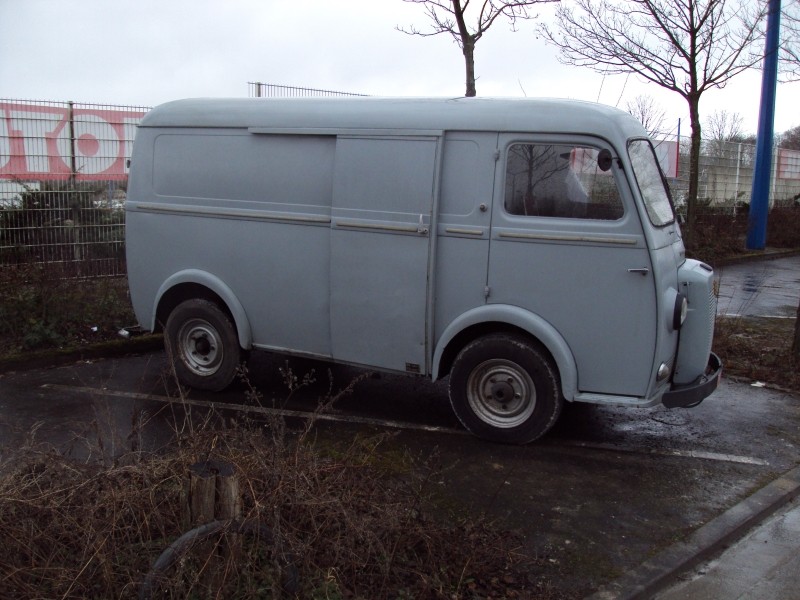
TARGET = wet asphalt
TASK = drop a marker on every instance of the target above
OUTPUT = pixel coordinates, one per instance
(768, 288)
(608, 498)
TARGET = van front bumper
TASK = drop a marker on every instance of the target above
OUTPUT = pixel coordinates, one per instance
(692, 394)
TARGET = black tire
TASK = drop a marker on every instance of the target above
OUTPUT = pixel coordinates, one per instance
(203, 345)
(504, 388)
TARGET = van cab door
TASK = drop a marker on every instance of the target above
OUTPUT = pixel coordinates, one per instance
(383, 192)
(567, 245)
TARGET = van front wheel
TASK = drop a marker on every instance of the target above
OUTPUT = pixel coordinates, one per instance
(505, 389)
(203, 345)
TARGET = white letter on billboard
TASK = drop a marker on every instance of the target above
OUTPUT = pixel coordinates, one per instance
(5, 142)
(35, 127)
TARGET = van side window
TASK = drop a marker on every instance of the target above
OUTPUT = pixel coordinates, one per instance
(557, 180)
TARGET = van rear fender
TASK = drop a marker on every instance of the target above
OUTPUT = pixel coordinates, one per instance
(501, 317)
(193, 283)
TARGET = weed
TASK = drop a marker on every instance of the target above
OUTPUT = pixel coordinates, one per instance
(42, 308)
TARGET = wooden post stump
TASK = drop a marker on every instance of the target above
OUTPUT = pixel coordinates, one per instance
(211, 493)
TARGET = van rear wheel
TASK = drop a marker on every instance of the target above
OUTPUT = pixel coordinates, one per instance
(203, 345)
(506, 389)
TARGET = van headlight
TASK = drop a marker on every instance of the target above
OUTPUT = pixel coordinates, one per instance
(663, 372)
(680, 311)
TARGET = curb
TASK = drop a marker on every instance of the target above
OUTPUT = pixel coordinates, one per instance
(663, 569)
(764, 255)
(56, 358)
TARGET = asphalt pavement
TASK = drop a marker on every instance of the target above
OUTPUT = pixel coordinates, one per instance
(760, 288)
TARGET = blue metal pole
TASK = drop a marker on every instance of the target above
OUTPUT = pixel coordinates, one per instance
(759, 200)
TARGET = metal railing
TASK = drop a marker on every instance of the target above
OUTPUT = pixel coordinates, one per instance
(270, 90)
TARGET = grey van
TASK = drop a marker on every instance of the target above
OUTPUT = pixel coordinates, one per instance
(528, 249)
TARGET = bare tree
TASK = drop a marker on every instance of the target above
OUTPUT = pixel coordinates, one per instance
(648, 113)
(789, 53)
(450, 17)
(790, 138)
(722, 128)
(685, 46)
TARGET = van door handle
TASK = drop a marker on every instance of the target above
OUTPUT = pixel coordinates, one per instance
(643, 271)
(422, 229)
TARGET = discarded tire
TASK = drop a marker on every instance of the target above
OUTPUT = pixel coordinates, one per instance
(178, 549)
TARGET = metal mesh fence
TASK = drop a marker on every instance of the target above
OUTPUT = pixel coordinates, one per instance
(726, 174)
(63, 179)
(63, 176)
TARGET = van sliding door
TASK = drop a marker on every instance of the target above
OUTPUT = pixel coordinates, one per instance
(380, 243)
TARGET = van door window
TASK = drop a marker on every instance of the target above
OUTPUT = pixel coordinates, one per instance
(558, 180)
(651, 182)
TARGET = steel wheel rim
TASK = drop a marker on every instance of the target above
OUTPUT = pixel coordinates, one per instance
(501, 393)
(200, 347)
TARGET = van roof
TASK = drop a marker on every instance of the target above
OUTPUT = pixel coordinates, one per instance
(435, 114)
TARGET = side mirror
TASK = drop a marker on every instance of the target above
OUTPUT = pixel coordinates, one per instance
(604, 159)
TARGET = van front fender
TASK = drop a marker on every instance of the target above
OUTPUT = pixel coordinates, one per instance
(534, 325)
(216, 285)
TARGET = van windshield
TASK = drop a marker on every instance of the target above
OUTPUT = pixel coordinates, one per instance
(652, 184)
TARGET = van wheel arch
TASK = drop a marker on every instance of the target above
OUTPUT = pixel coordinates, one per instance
(470, 334)
(170, 300)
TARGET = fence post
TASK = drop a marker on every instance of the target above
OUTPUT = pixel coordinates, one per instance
(73, 169)
(75, 230)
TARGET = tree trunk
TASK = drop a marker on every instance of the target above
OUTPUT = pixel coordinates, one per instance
(694, 167)
(796, 343)
(469, 60)
(467, 46)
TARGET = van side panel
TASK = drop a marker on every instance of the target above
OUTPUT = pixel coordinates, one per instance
(254, 212)
(380, 242)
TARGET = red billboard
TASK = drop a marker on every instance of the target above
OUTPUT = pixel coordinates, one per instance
(41, 141)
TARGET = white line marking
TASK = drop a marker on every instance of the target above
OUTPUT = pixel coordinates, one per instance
(742, 315)
(718, 456)
(701, 454)
(282, 412)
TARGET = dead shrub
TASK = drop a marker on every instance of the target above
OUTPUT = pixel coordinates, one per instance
(355, 524)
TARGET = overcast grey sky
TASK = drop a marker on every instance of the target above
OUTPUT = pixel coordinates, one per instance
(144, 52)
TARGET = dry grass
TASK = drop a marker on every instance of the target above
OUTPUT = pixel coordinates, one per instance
(355, 524)
(758, 349)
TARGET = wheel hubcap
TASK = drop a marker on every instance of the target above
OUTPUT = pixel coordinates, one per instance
(200, 347)
(501, 393)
